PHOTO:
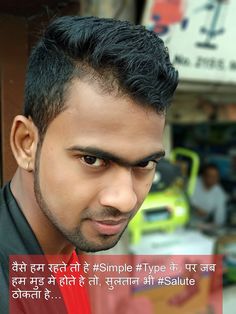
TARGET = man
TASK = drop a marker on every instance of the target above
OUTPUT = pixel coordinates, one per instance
(87, 145)
(209, 198)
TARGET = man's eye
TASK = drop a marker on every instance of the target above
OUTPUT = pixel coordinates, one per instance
(93, 161)
(149, 165)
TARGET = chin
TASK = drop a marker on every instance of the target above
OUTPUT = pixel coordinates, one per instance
(101, 243)
(104, 245)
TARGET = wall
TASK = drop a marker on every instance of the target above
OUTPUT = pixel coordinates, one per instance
(13, 58)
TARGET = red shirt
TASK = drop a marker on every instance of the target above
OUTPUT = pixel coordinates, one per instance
(75, 296)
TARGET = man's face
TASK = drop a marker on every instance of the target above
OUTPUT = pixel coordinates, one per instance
(96, 165)
(211, 177)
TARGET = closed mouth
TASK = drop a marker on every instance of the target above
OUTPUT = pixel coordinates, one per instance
(110, 221)
(109, 226)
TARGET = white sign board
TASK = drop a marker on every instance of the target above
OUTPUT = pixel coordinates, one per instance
(200, 36)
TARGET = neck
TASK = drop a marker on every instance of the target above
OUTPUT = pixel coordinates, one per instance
(49, 237)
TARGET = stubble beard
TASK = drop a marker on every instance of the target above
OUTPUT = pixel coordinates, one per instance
(75, 237)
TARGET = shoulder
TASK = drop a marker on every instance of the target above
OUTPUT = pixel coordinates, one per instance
(2, 199)
(5, 198)
(219, 191)
(199, 184)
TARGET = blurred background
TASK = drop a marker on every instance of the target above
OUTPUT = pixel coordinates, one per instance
(191, 208)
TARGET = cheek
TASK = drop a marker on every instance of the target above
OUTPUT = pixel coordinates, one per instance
(65, 187)
(143, 187)
(59, 172)
(54, 176)
(59, 184)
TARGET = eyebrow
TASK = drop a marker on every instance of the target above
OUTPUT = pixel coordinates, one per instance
(102, 154)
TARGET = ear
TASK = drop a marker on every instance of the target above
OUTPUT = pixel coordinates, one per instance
(24, 140)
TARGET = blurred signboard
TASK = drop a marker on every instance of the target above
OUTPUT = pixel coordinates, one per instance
(200, 36)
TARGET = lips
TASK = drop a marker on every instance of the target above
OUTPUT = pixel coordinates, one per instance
(109, 227)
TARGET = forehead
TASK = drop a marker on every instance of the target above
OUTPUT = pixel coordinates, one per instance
(111, 122)
(211, 171)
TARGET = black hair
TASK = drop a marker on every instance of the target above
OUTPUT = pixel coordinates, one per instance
(106, 50)
(209, 165)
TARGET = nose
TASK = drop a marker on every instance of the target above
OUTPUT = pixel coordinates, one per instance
(119, 193)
